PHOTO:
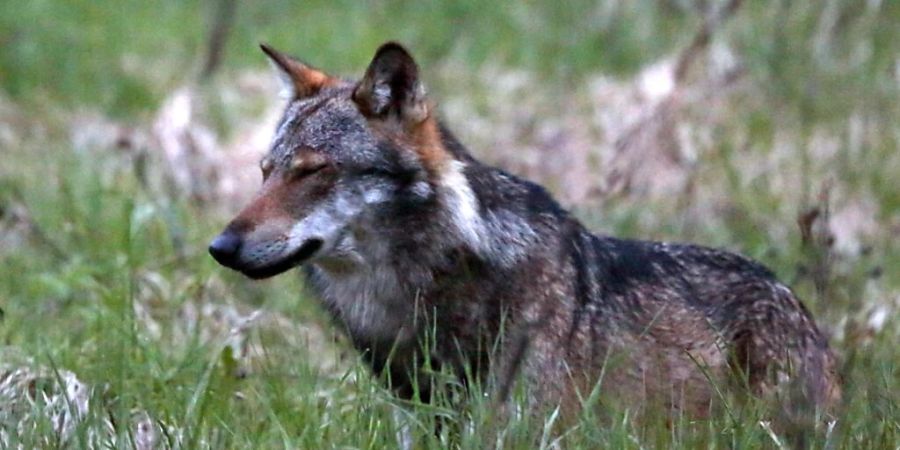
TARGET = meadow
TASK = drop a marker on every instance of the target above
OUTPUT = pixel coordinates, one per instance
(130, 133)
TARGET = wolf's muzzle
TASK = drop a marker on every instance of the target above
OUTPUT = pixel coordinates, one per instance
(225, 248)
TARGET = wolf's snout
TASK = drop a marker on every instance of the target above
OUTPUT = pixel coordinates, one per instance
(224, 248)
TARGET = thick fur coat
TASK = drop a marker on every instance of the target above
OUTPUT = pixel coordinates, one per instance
(421, 252)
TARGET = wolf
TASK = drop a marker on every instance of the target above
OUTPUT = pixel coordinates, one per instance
(424, 255)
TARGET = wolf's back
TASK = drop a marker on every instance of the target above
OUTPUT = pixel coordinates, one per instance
(684, 308)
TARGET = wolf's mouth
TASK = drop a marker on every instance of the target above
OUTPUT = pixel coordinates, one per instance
(303, 253)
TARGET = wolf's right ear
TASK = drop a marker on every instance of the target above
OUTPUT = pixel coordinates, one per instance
(298, 80)
(391, 86)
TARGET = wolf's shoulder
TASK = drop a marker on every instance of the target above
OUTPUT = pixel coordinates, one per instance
(641, 259)
(498, 190)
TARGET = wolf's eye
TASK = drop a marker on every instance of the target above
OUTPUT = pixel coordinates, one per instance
(306, 170)
(308, 164)
(266, 167)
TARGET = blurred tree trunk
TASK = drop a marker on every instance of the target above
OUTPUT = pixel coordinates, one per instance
(220, 29)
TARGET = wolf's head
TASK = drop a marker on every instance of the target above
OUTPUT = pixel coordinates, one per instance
(345, 155)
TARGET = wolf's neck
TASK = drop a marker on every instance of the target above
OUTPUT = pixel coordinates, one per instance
(498, 232)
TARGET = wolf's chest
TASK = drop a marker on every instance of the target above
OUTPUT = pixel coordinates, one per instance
(374, 305)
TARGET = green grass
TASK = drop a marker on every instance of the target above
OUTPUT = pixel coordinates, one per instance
(100, 53)
(84, 242)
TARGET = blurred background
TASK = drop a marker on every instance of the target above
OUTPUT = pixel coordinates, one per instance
(131, 131)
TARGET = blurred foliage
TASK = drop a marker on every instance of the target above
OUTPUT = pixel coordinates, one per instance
(124, 55)
(818, 60)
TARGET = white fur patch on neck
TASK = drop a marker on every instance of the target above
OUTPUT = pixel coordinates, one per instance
(499, 236)
(463, 205)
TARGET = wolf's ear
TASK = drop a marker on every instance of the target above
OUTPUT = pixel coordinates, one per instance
(298, 80)
(391, 86)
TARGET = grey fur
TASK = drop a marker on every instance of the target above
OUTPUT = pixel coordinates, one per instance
(413, 244)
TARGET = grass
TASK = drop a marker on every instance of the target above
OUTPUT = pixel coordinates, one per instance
(105, 277)
(85, 52)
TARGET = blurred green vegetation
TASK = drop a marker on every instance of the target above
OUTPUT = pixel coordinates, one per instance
(123, 56)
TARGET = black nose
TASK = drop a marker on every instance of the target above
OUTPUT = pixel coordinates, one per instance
(224, 248)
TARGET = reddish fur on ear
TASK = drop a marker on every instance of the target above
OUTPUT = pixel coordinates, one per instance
(423, 139)
(429, 146)
(391, 86)
(303, 80)
(393, 98)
